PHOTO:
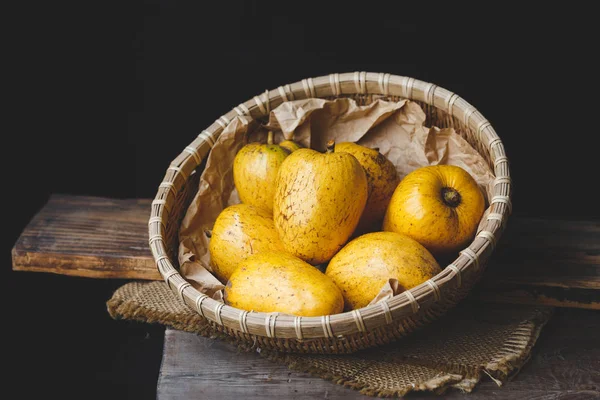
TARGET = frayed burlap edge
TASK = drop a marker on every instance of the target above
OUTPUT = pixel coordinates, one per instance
(512, 356)
(123, 309)
(508, 361)
(438, 384)
(130, 302)
(503, 367)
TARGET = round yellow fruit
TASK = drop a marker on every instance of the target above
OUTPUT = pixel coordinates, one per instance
(318, 202)
(290, 145)
(382, 179)
(365, 265)
(279, 282)
(438, 206)
(240, 231)
(255, 169)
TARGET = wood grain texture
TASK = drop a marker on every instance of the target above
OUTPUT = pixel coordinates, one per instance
(203, 368)
(543, 252)
(565, 364)
(539, 295)
(88, 236)
(545, 262)
(538, 261)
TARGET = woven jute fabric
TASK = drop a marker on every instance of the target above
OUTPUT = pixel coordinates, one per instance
(470, 342)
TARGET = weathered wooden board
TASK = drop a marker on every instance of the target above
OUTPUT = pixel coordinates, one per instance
(555, 253)
(538, 295)
(546, 262)
(538, 261)
(565, 364)
(88, 236)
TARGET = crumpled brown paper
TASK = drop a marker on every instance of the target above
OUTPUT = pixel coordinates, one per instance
(396, 128)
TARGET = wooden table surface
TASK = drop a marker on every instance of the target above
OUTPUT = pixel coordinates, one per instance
(538, 261)
(107, 238)
(565, 364)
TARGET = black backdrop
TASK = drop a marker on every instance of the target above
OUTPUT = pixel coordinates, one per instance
(103, 95)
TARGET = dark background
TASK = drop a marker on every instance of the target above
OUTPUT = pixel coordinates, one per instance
(102, 96)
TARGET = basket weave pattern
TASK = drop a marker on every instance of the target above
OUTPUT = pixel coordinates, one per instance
(372, 325)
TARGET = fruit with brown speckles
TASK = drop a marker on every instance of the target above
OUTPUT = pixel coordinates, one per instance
(438, 206)
(255, 169)
(382, 179)
(318, 202)
(290, 145)
(279, 282)
(240, 231)
(365, 265)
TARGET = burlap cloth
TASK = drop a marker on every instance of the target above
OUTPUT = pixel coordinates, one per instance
(472, 341)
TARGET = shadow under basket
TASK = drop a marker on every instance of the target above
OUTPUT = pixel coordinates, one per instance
(372, 325)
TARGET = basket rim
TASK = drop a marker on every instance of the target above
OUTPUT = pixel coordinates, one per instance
(275, 325)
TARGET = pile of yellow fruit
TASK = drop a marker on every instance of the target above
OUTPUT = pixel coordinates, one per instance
(299, 209)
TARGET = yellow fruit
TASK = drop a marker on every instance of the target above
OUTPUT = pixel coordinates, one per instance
(365, 265)
(318, 202)
(382, 179)
(438, 206)
(240, 231)
(255, 170)
(290, 145)
(280, 282)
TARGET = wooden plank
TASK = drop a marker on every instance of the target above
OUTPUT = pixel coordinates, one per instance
(538, 261)
(198, 367)
(556, 296)
(541, 252)
(88, 236)
(545, 262)
(565, 364)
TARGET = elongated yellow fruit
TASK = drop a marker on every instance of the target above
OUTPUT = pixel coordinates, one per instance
(318, 202)
(240, 231)
(279, 282)
(255, 169)
(382, 179)
(365, 265)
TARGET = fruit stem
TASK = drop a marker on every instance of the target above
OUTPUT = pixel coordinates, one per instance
(451, 197)
(376, 149)
(330, 146)
(270, 137)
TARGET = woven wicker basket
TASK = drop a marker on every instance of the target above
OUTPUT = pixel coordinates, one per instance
(369, 326)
